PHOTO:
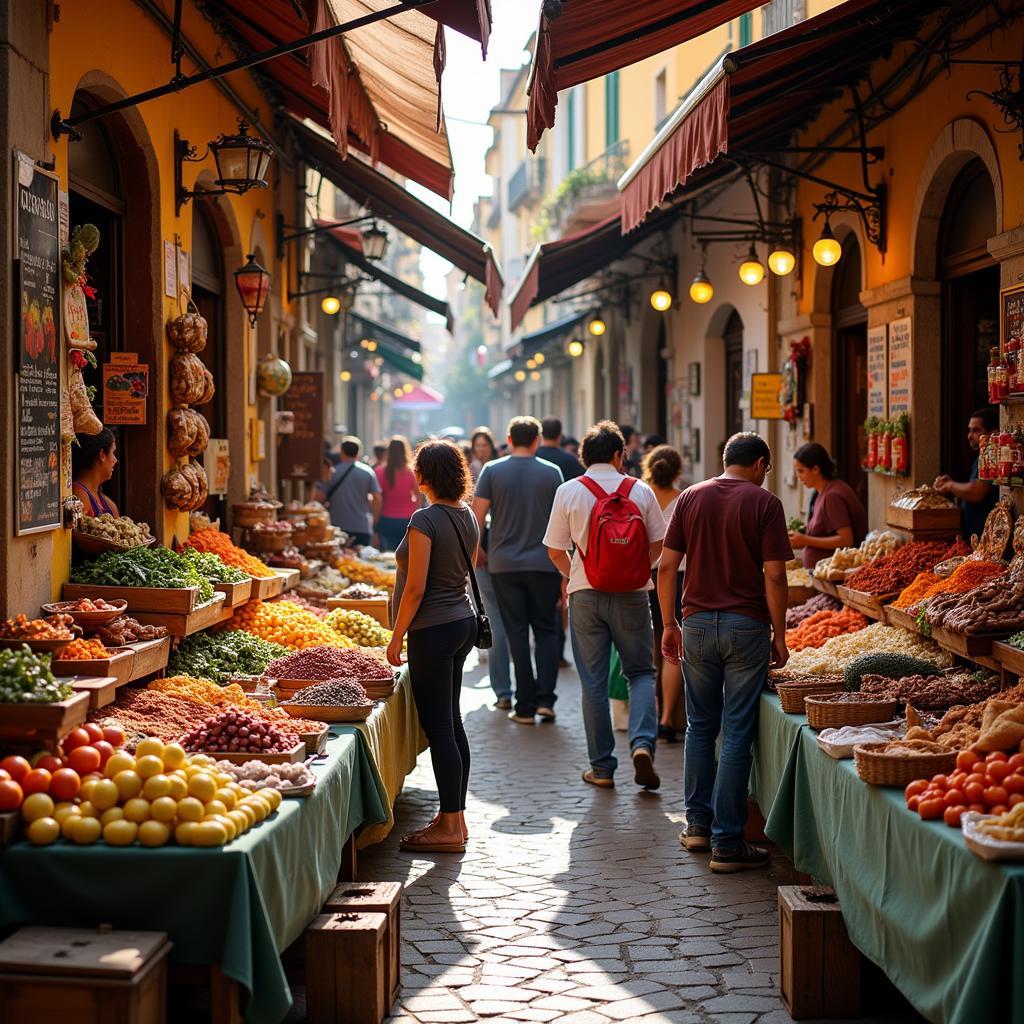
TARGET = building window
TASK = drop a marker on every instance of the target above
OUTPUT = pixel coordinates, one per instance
(746, 29)
(611, 109)
(570, 130)
(660, 98)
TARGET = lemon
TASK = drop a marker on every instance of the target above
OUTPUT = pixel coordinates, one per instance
(227, 797)
(209, 833)
(154, 833)
(179, 786)
(43, 831)
(149, 766)
(111, 814)
(64, 811)
(202, 786)
(37, 805)
(120, 833)
(214, 807)
(241, 820)
(150, 746)
(163, 808)
(173, 755)
(184, 832)
(229, 826)
(85, 831)
(128, 783)
(86, 809)
(67, 826)
(137, 810)
(119, 761)
(190, 809)
(156, 786)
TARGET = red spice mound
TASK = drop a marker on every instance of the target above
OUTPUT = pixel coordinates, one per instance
(893, 572)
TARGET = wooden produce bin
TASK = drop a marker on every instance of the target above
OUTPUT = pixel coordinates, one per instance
(102, 690)
(871, 605)
(119, 665)
(819, 968)
(42, 724)
(899, 617)
(968, 645)
(150, 656)
(797, 596)
(139, 599)
(90, 977)
(933, 522)
(378, 608)
(825, 587)
(266, 586)
(346, 969)
(235, 593)
(1010, 658)
(200, 617)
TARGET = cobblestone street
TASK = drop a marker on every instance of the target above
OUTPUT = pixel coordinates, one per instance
(574, 904)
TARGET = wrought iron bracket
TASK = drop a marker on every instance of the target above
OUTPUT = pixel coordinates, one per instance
(1008, 99)
(186, 153)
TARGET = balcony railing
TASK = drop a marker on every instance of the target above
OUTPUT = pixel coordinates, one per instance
(781, 14)
(526, 183)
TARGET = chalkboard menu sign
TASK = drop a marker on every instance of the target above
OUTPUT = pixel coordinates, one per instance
(1011, 315)
(37, 278)
(301, 452)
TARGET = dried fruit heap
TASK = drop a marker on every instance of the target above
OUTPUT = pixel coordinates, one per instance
(285, 623)
(802, 612)
(324, 663)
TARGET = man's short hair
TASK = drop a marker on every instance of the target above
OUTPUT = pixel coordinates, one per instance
(989, 416)
(523, 431)
(551, 429)
(351, 447)
(601, 443)
(380, 449)
(627, 432)
(745, 448)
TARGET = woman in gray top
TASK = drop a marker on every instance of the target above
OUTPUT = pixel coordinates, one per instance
(432, 605)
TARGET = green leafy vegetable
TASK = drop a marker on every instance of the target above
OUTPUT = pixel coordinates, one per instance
(143, 567)
(25, 678)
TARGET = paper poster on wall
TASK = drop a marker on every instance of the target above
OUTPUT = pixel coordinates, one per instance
(1011, 315)
(878, 371)
(900, 366)
(217, 463)
(764, 396)
(125, 390)
(170, 270)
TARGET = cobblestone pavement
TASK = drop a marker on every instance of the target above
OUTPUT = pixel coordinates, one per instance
(574, 904)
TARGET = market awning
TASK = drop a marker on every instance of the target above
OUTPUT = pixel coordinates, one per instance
(401, 363)
(371, 330)
(413, 217)
(578, 40)
(757, 97)
(555, 266)
(500, 369)
(421, 399)
(552, 333)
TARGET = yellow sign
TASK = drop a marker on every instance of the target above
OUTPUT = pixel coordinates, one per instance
(764, 396)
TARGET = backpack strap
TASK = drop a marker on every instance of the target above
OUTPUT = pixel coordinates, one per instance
(625, 487)
(593, 486)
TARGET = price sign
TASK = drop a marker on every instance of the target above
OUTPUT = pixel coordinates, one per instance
(901, 337)
(125, 390)
(300, 452)
(764, 396)
(1011, 315)
(878, 371)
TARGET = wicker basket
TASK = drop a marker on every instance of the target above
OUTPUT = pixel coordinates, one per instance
(246, 514)
(792, 694)
(879, 769)
(268, 541)
(831, 711)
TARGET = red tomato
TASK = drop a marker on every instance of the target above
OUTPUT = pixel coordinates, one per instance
(965, 759)
(916, 788)
(976, 777)
(75, 738)
(1014, 783)
(951, 816)
(939, 782)
(36, 781)
(84, 759)
(17, 767)
(996, 755)
(998, 809)
(49, 762)
(998, 770)
(1016, 762)
(65, 784)
(914, 802)
(105, 750)
(975, 792)
(94, 731)
(931, 809)
(1015, 798)
(114, 735)
(995, 795)
(954, 798)
(978, 808)
(957, 780)
(4, 775)
(11, 795)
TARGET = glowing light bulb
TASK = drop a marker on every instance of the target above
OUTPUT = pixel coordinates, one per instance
(701, 289)
(539, 358)
(827, 249)
(535, 375)
(597, 327)
(575, 348)
(752, 269)
(345, 376)
(520, 375)
(781, 262)
(330, 304)
(661, 300)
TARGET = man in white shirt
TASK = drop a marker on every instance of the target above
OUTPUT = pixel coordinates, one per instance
(599, 619)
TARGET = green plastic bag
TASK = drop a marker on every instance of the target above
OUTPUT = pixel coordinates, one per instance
(618, 684)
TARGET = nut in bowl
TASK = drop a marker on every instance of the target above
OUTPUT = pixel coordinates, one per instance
(88, 613)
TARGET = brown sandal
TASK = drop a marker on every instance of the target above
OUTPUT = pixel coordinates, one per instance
(417, 842)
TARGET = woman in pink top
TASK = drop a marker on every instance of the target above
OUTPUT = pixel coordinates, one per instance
(401, 494)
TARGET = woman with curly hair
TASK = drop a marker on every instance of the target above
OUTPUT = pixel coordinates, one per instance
(433, 607)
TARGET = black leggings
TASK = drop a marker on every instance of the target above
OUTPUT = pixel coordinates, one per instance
(436, 657)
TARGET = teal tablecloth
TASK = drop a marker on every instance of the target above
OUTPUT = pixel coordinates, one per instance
(777, 734)
(945, 926)
(236, 907)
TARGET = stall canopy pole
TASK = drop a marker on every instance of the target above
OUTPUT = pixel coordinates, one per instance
(67, 125)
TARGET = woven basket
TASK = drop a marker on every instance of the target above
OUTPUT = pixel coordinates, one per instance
(829, 711)
(880, 769)
(792, 695)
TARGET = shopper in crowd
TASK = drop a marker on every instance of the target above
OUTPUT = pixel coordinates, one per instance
(837, 519)
(93, 460)
(484, 451)
(433, 608)
(976, 497)
(380, 454)
(600, 618)
(352, 494)
(572, 446)
(517, 491)
(662, 466)
(633, 455)
(732, 532)
(652, 441)
(550, 449)
(400, 494)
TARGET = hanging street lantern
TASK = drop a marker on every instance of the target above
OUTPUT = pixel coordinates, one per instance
(597, 327)
(781, 261)
(330, 304)
(575, 348)
(701, 289)
(273, 375)
(375, 242)
(827, 249)
(253, 284)
(242, 160)
(661, 298)
(752, 269)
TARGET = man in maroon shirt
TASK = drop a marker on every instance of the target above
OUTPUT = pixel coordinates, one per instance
(733, 535)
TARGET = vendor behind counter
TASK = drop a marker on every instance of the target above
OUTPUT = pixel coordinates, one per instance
(93, 460)
(976, 497)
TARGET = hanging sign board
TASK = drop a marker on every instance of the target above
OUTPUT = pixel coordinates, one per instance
(901, 338)
(300, 452)
(1011, 315)
(125, 390)
(76, 316)
(878, 371)
(764, 396)
(37, 294)
(217, 463)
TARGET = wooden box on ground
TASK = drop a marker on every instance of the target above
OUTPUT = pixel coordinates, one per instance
(819, 968)
(934, 521)
(375, 898)
(90, 977)
(378, 608)
(346, 969)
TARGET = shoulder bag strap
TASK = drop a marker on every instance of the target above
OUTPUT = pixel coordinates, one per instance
(469, 561)
(626, 487)
(341, 479)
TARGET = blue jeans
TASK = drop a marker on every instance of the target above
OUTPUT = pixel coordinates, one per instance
(497, 657)
(391, 531)
(725, 663)
(596, 621)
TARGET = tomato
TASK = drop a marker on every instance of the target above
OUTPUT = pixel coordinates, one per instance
(65, 784)
(105, 751)
(4, 776)
(95, 732)
(995, 795)
(975, 792)
(951, 816)
(1014, 783)
(49, 762)
(939, 782)
(11, 795)
(965, 759)
(998, 770)
(1016, 762)
(916, 788)
(1015, 798)
(75, 738)
(978, 808)
(17, 767)
(84, 759)
(957, 780)
(954, 798)
(36, 781)
(999, 809)
(976, 777)
(114, 735)
(931, 809)
(914, 803)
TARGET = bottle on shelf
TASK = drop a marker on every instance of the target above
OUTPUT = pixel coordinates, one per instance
(1014, 370)
(983, 457)
(1004, 469)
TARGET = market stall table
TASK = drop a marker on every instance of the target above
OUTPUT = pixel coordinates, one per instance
(776, 736)
(235, 907)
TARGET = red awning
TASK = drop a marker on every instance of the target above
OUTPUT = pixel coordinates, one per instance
(578, 40)
(555, 266)
(421, 397)
(391, 202)
(757, 97)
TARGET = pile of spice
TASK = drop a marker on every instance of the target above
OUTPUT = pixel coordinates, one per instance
(835, 654)
(83, 650)
(802, 612)
(217, 543)
(325, 663)
(966, 577)
(822, 626)
(934, 693)
(285, 623)
(891, 573)
(305, 603)
(914, 592)
(346, 693)
(150, 713)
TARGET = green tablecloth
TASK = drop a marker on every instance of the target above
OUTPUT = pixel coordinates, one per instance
(776, 735)
(945, 926)
(236, 907)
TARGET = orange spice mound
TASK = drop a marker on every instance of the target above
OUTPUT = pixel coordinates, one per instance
(822, 626)
(893, 572)
(916, 591)
(285, 623)
(214, 542)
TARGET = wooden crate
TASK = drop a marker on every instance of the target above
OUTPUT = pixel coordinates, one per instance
(378, 608)
(291, 756)
(290, 578)
(797, 595)
(119, 665)
(91, 977)
(375, 898)
(235, 593)
(932, 520)
(187, 623)
(316, 742)
(899, 617)
(150, 656)
(871, 605)
(967, 646)
(824, 587)
(140, 599)
(819, 968)
(266, 586)
(102, 690)
(346, 969)
(10, 827)
(43, 724)
(1009, 658)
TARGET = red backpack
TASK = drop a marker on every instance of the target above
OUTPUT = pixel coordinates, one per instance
(618, 556)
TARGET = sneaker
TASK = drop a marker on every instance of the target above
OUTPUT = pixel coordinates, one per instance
(546, 714)
(521, 719)
(667, 734)
(739, 858)
(503, 704)
(602, 781)
(696, 838)
(643, 769)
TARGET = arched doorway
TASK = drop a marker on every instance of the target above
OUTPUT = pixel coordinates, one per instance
(970, 308)
(849, 368)
(732, 336)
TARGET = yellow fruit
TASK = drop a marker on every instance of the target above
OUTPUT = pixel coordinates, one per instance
(137, 810)
(260, 806)
(154, 833)
(37, 805)
(179, 786)
(150, 746)
(229, 825)
(163, 808)
(209, 833)
(111, 814)
(250, 814)
(87, 810)
(201, 759)
(202, 786)
(215, 807)
(43, 831)
(156, 786)
(241, 820)
(86, 789)
(223, 779)
(272, 795)
(128, 783)
(191, 809)
(85, 831)
(64, 811)
(174, 755)
(226, 796)
(119, 761)
(184, 832)
(67, 826)
(120, 833)
(149, 766)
